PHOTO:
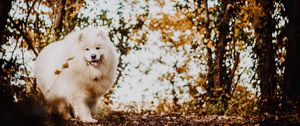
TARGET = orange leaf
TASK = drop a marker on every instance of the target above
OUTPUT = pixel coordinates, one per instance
(65, 65)
(57, 72)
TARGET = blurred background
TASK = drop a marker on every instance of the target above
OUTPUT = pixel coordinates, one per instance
(224, 57)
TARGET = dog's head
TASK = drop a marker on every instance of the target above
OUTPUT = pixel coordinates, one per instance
(93, 44)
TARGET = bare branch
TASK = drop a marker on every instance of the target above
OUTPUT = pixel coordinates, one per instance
(59, 18)
(24, 35)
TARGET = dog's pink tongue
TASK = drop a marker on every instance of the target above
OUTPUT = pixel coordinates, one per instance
(94, 63)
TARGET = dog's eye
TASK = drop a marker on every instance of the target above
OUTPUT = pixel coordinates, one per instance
(97, 48)
(87, 49)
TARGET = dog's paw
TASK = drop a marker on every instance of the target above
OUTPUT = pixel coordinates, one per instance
(89, 119)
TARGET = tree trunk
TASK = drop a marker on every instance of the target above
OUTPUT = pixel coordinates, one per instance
(292, 71)
(5, 6)
(209, 51)
(220, 50)
(6, 90)
(265, 52)
(59, 19)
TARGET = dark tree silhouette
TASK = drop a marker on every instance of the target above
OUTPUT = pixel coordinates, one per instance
(4, 9)
(292, 72)
(266, 68)
(6, 94)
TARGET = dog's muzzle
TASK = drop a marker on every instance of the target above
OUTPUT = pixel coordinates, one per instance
(96, 62)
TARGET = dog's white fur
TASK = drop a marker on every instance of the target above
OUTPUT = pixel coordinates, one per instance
(65, 70)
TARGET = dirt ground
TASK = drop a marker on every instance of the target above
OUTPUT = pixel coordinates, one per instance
(117, 118)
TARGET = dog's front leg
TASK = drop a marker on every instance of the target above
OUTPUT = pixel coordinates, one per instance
(82, 110)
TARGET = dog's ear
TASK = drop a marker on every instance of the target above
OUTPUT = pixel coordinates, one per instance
(102, 34)
(80, 37)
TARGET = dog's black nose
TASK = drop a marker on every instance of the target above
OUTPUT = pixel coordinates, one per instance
(93, 56)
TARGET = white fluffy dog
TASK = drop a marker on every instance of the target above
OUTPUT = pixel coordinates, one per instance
(77, 71)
